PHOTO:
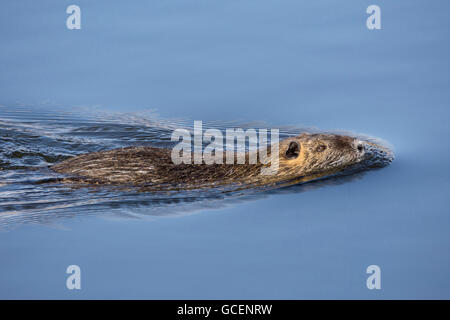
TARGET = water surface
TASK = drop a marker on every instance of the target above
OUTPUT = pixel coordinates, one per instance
(287, 63)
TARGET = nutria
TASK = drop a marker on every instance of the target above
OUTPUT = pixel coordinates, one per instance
(301, 158)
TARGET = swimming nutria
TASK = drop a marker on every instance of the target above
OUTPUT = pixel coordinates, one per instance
(302, 158)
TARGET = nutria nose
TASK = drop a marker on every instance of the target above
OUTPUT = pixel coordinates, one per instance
(360, 146)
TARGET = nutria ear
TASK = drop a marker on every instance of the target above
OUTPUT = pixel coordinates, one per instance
(293, 150)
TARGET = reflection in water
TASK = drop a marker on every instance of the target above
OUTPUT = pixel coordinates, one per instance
(31, 140)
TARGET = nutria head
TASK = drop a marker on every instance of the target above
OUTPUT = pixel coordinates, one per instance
(312, 154)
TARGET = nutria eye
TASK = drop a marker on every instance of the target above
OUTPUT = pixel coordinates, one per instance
(321, 148)
(293, 150)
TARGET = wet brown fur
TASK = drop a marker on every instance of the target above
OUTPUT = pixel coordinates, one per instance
(314, 156)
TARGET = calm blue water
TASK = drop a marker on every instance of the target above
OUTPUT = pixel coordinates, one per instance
(311, 64)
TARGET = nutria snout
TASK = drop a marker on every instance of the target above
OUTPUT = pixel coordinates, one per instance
(301, 158)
